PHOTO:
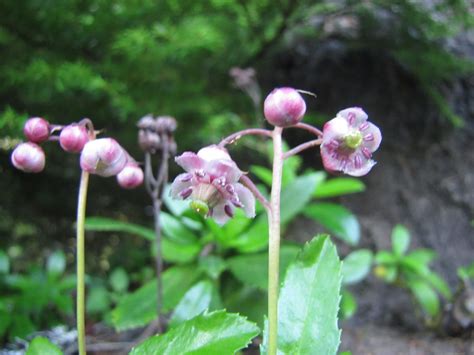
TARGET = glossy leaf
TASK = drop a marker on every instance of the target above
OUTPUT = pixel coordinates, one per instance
(253, 239)
(338, 186)
(296, 195)
(98, 300)
(175, 230)
(216, 333)
(439, 284)
(385, 257)
(212, 265)
(252, 269)
(139, 308)
(309, 302)
(356, 266)
(194, 302)
(42, 346)
(248, 301)
(400, 239)
(337, 219)
(422, 256)
(425, 295)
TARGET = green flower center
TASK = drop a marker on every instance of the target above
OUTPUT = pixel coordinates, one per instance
(353, 140)
(200, 207)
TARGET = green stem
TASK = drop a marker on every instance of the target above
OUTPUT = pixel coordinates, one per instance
(80, 301)
(274, 242)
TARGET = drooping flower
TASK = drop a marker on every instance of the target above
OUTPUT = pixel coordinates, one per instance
(211, 183)
(284, 107)
(36, 129)
(349, 141)
(104, 157)
(28, 157)
(73, 138)
(131, 176)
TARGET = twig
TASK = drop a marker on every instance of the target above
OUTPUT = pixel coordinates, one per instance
(302, 147)
(236, 136)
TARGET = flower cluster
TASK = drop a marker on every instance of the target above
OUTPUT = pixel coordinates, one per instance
(211, 183)
(154, 133)
(104, 157)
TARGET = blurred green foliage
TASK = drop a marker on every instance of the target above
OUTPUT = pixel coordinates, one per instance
(115, 61)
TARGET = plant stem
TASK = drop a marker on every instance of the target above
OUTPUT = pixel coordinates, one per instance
(274, 242)
(301, 147)
(80, 293)
(236, 136)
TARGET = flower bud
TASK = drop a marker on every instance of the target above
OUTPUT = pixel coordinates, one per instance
(165, 124)
(73, 138)
(36, 130)
(131, 176)
(284, 107)
(104, 157)
(28, 157)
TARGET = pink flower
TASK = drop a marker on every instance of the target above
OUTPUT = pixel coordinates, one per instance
(28, 157)
(284, 107)
(36, 129)
(104, 157)
(349, 141)
(131, 176)
(211, 183)
(73, 138)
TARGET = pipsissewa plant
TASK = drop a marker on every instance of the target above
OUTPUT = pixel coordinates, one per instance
(216, 186)
(104, 157)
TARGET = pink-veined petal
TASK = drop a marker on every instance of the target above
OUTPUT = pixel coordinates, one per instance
(219, 213)
(372, 137)
(355, 116)
(213, 152)
(189, 161)
(336, 129)
(363, 170)
(247, 198)
(180, 184)
(223, 168)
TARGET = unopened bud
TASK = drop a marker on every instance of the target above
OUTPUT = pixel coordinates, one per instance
(36, 130)
(73, 138)
(28, 157)
(146, 122)
(131, 176)
(165, 124)
(149, 141)
(284, 107)
(104, 157)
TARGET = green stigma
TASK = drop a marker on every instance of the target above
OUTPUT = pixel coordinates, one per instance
(200, 207)
(353, 140)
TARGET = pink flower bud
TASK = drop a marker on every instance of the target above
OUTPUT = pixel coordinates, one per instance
(73, 138)
(37, 130)
(284, 107)
(28, 157)
(131, 176)
(104, 157)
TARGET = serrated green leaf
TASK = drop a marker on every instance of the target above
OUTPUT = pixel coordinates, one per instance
(4, 263)
(42, 346)
(56, 263)
(309, 302)
(400, 239)
(337, 219)
(248, 301)
(139, 308)
(425, 295)
(338, 186)
(252, 269)
(194, 302)
(216, 333)
(348, 304)
(356, 266)
(296, 195)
